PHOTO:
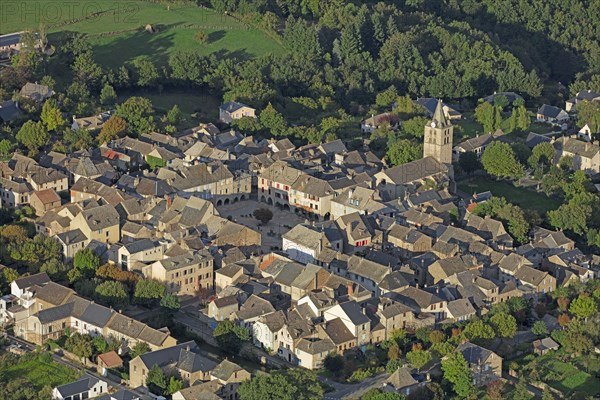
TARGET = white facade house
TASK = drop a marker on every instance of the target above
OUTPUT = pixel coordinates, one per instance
(85, 388)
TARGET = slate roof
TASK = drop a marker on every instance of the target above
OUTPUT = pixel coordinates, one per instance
(369, 269)
(353, 310)
(101, 217)
(9, 110)
(414, 170)
(71, 237)
(312, 346)
(232, 106)
(225, 370)
(96, 315)
(549, 111)
(54, 293)
(10, 39)
(338, 332)
(402, 378)
(37, 279)
(475, 355)
(461, 308)
(82, 385)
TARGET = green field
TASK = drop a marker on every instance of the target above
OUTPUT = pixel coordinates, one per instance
(117, 33)
(41, 373)
(571, 381)
(523, 197)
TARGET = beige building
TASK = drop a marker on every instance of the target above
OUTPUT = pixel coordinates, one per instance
(311, 352)
(99, 223)
(44, 200)
(183, 361)
(184, 274)
(235, 110)
(586, 156)
(214, 181)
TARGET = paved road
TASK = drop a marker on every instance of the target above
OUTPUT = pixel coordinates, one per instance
(352, 390)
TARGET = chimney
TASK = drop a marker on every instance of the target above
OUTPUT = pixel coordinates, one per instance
(350, 289)
(169, 201)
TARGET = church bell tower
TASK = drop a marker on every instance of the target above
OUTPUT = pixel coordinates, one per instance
(438, 137)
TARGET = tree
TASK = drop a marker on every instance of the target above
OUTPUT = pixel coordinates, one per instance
(112, 129)
(418, 358)
(87, 262)
(55, 269)
(175, 385)
(542, 154)
(564, 320)
(113, 294)
(436, 337)
(457, 372)
(402, 151)
(137, 111)
(77, 139)
(80, 345)
(583, 306)
(6, 147)
(571, 216)
(334, 363)
(156, 380)
(201, 37)
(495, 390)
(230, 336)
(477, 329)
(14, 234)
(147, 74)
(484, 114)
(108, 95)
(170, 302)
(499, 160)
(33, 135)
(264, 215)
(52, 116)
(273, 120)
(469, 162)
(291, 384)
(504, 324)
(148, 291)
(387, 97)
(415, 126)
(547, 394)
(539, 328)
(174, 115)
(521, 392)
(138, 349)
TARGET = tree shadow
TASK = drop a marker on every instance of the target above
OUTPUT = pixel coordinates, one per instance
(215, 36)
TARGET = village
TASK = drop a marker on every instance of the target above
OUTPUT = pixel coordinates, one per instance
(299, 200)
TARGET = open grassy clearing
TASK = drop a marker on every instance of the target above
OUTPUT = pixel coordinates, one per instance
(116, 29)
(525, 198)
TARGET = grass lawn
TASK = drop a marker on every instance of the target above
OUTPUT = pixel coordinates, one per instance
(523, 197)
(468, 128)
(41, 373)
(117, 33)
